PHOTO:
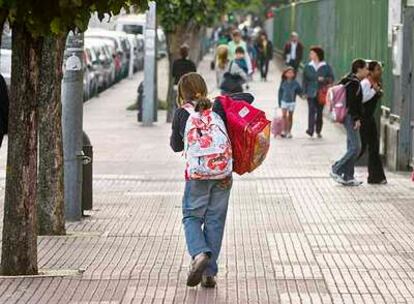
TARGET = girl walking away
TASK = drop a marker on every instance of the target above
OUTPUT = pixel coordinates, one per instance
(372, 93)
(343, 170)
(316, 76)
(288, 90)
(202, 134)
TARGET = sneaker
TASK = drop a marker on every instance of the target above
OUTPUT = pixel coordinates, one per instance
(309, 133)
(198, 265)
(319, 135)
(208, 281)
(283, 135)
(352, 183)
(335, 176)
(289, 135)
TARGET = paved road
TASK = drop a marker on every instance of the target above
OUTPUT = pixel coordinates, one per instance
(292, 236)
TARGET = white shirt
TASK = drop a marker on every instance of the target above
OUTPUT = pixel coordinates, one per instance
(367, 90)
(293, 47)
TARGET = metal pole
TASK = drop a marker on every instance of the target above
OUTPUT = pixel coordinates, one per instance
(150, 66)
(72, 115)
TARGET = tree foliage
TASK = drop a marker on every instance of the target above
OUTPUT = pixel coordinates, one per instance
(45, 17)
(175, 13)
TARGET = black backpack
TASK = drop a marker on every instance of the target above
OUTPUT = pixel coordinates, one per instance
(231, 83)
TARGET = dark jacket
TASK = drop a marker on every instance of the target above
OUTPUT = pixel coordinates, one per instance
(4, 107)
(311, 84)
(353, 96)
(299, 51)
(181, 67)
(264, 53)
(181, 117)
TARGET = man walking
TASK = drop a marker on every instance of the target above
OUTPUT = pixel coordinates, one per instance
(343, 170)
(293, 51)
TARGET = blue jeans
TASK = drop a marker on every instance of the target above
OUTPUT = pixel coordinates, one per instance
(346, 165)
(205, 205)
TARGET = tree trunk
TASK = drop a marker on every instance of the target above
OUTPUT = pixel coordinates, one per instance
(50, 207)
(19, 245)
(190, 34)
(174, 42)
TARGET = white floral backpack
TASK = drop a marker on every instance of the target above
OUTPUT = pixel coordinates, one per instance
(207, 147)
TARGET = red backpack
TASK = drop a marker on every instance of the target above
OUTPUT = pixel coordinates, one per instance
(249, 133)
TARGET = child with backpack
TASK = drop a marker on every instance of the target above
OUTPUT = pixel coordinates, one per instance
(202, 135)
(288, 90)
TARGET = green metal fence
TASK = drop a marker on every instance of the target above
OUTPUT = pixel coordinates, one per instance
(346, 29)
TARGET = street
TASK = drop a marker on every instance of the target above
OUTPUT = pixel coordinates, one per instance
(292, 234)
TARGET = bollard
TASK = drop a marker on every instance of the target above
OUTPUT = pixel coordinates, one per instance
(87, 174)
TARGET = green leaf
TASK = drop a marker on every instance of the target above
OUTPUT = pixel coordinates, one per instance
(55, 26)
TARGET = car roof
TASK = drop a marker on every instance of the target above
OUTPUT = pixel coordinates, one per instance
(133, 19)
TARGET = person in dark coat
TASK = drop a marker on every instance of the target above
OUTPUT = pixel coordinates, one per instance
(316, 75)
(372, 93)
(4, 109)
(182, 65)
(344, 169)
(264, 55)
(293, 51)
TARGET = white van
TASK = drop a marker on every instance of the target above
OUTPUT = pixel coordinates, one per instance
(131, 24)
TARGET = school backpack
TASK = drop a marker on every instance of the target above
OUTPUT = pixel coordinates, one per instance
(249, 132)
(336, 98)
(207, 146)
(231, 83)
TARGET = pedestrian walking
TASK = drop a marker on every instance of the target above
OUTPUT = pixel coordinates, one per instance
(343, 170)
(316, 76)
(293, 51)
(264, 55)
(231, 75)
(183, 65)
(238, 42)
(288, 90)
(202, 135)
(4, 109)
(372, 93)
(252, 51)
(180, 67)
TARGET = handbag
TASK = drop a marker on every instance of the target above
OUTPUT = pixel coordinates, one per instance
(322, 95)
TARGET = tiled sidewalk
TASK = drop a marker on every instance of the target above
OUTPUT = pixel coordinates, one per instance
(292, 236)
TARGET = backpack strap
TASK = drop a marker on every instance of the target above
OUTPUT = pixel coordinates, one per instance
(189, 108)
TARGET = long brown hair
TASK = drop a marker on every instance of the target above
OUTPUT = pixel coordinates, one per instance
(192, 87)
(222, 56)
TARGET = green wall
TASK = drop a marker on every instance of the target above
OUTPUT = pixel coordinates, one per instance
(346, 29)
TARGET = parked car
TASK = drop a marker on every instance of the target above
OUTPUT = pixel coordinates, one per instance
(5, 57)
(122, 47)
(161, 43)
(138, 45)
(90, 81)
(135, 24)
(141, 51)
(101, 64)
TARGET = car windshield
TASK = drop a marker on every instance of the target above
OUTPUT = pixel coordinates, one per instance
(6, 42)
(133, 29)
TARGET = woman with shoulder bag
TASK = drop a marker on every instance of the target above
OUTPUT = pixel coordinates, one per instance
(317, 76)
